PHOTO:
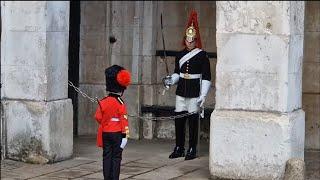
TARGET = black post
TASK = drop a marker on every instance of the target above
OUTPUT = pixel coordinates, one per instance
(73, 71)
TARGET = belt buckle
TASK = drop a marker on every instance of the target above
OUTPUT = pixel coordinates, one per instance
(186, 76)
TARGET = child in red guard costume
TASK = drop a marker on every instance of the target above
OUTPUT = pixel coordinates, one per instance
(111, 114)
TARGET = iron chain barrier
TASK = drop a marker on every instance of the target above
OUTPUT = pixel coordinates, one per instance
(143, 117)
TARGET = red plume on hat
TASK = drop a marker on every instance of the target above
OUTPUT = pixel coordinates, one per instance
(124, 78)
(193, 20)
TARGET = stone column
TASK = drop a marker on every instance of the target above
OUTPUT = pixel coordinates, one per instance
(34, 77)
(258, 123)
(149, 63)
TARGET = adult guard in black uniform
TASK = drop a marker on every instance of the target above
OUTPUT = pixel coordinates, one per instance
(193, 76)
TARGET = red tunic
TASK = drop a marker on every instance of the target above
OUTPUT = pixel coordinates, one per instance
(112, 118)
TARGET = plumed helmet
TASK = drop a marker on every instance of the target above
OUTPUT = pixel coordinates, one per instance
(192, 31)
(117, 79)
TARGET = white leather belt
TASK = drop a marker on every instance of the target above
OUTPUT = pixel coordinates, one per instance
(115, 119)
(190, 76)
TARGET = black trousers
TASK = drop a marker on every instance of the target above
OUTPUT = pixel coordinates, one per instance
(193, 129)
(112, 155)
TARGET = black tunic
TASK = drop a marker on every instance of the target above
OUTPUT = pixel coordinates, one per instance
(198, 64)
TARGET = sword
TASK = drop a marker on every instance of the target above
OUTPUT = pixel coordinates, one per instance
(164, 58)
(164, 48)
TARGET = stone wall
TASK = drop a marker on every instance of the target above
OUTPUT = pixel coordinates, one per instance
(36, 111)
(311, 75)
(94, 54)
(136, 26)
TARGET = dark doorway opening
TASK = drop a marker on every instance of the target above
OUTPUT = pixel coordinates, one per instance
(73, 70)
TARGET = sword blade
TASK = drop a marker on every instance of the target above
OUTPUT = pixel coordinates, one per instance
(164, 47)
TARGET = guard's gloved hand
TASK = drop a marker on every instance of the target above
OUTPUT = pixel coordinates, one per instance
(201, 100)
(167, 81)
(123, 143)
(205, 86)
(170, 80)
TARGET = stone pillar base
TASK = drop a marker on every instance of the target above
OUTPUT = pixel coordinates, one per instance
(39, 132)
(254, 145)
(148, 126)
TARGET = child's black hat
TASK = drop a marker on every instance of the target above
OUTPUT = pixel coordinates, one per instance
(117, 79)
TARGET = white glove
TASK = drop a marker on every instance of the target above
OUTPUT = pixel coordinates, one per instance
(123, 143)
(205, 86)
(201, 100)
(171, 80)
(175, 78)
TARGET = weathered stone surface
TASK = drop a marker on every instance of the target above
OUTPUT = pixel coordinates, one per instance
(311, 104)
(93, 13)
(39, 132)
(86, 109)
(35, 44)
(123, 13)
(30, 51)
(254, 145)
(149, 95)
(173, 38)
(23, 82)
(252, 75)
(150, 18)
(37, 68)
(207, 16)
(312, 19)
(148, 70)
(132, 97)
(148, 41)
(126, 62)
(57, 61)
(181, 10)
(312, 47)
(92, 68)
(124, 44)
(208, 43)
(57, 18)
(165, 129)
(95, 43)
(260, 17)
(167, 97)
(25, 16)
(311, 77)
(148, 126)
(295, 169)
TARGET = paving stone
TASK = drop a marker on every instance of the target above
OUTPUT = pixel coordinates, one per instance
(142, 164)
(48, 178)
(127, 170)
(92, 167)
(98, 175)
(168, 172)
(141, 160)
(69, 173)
(199, 174)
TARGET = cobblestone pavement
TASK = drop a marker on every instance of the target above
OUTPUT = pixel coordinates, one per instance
(141, 160)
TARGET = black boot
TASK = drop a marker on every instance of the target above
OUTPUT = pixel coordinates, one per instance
(177, 152)
(191, 153)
